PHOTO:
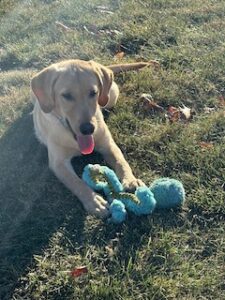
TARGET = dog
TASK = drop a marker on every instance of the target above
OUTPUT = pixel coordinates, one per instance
(68, 97)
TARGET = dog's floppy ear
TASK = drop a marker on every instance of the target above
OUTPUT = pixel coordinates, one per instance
(105, 77)
(42, 85)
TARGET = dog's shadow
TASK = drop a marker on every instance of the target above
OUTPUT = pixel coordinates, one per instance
(33, 203)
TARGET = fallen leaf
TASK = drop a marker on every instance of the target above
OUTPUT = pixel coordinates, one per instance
(185, 113)
(173, 114)
(172, 109)
(149, 103)
(146, 96)
(206, 145)
(209, 110)
(109, 251)
(221, 101)
(119, 55)
(79, 271)
(155, 64)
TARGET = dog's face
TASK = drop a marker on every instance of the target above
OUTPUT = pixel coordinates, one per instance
(74, 89)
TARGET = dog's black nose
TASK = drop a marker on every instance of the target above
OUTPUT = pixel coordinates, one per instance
(87, 128)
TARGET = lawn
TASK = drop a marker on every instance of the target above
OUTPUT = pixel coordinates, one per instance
(45, 233)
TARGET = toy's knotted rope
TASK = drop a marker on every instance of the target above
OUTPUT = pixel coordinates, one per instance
(98, 175)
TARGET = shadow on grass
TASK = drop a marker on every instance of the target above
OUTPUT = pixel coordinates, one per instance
(33, 203)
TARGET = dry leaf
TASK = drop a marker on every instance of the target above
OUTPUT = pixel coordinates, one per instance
(119, 55)
(221, 101)
(79, 271)
(149, 103)
(185, 113)
(206, 145)
(209, 110)
(155, 64)
(146, 96)
(109, 251)
(173, 114)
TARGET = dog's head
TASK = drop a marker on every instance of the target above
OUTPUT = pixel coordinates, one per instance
(74, 89)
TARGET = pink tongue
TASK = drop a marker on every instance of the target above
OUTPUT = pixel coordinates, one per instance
(86, 143)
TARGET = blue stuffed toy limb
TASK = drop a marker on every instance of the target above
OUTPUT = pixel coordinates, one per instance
(163, 193)
(118, 211)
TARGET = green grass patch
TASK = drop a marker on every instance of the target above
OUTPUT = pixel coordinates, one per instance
(45, 233)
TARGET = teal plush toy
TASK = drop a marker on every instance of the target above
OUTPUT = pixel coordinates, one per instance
(163, 193)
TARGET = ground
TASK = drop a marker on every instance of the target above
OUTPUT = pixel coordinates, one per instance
(45, 233)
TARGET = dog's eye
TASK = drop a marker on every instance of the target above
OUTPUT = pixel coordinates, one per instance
(67, 96)
(93, 93)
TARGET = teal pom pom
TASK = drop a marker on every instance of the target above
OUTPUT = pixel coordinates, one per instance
(146, 203)
(168, 192)
(118, 211)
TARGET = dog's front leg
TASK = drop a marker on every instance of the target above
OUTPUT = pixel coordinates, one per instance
(60, 163)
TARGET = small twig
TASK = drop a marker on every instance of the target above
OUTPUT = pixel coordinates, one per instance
(63, 27)
(89, 31)
(104, 9)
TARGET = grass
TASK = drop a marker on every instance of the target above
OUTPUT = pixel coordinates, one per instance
(44, 231)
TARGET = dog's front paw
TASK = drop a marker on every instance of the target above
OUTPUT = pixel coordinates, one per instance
(97, 206)
(130, 184)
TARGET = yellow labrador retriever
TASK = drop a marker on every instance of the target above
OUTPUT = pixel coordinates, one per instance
(67, 115)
